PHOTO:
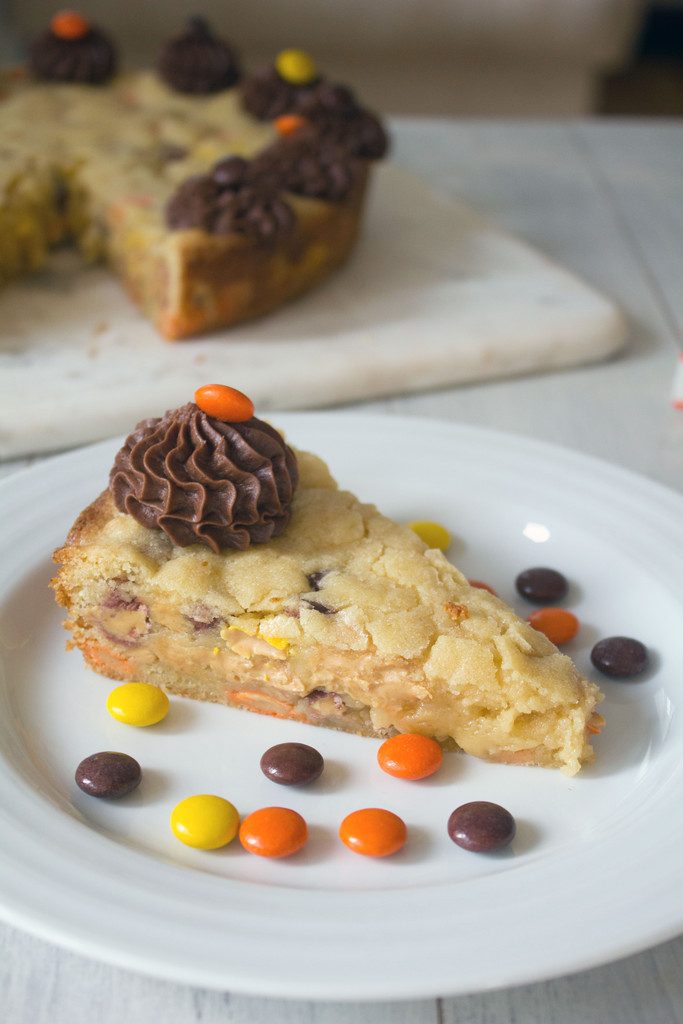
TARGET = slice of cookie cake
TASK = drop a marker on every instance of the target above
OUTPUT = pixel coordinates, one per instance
(225, 566)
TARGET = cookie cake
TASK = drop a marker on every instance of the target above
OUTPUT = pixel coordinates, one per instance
(214, 195)
(223, 565)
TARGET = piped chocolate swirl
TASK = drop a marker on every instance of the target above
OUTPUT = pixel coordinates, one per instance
(308, 165)
(333, 112)
(231, 199)
(206, 481)
(265, 95)
(198, 62)
(72, 50)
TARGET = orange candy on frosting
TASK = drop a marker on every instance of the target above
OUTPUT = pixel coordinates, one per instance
(289, 124)
(224, 403)
(69, 25)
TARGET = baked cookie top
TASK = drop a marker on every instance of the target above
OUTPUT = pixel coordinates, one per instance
(346, 576)
(137, 137)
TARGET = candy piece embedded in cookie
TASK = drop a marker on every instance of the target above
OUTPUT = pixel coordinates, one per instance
(224, 566)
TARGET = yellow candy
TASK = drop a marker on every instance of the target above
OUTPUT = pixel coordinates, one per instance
(278, 642)
(205, 822)
(433, 534)
(138, 704)
(296, 67)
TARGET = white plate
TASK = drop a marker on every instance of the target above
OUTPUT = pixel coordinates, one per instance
(595, 872)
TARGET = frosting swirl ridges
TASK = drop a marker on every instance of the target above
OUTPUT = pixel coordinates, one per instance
(197, 62)
(205, 481)
(231, 199)
(88, 60)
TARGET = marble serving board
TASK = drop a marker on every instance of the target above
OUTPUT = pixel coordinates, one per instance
(433, 296)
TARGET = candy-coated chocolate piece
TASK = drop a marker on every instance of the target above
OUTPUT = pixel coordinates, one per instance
(481, 826)
(557, 624)
(205, 821)
(373, 832)
(224, 403)
(108, 774)
(280, 643)
(289, 124)
(596, 723)
(69, 25)
(541, 585)
(273, 832)
(292, 764)
(410, 756)
(296, 67)
(433, 534)
(138, 704)
(620, 657)
(480, 585)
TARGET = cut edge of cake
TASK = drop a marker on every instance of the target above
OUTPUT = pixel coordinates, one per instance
(190, 282)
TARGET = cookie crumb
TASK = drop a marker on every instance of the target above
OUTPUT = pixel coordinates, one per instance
(457, 612)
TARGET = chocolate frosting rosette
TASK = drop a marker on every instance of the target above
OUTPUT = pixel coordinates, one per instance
(278, 88)
(198, 62)
(73, 50)
(221, 477)
(231, 198)
(308, 166)
(292, 85)
(334, 113)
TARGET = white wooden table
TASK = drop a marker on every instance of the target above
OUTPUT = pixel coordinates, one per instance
(606, 199)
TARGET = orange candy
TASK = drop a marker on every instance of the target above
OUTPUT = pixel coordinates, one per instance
(410, 756)
(482, 586)
(373, 832)
(557, 624)
(69, 25)
(273, 832)
(289, 124)
(596, 723)
(224, 403)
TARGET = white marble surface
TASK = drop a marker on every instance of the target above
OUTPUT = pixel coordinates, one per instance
(433, 295)
(606, 199)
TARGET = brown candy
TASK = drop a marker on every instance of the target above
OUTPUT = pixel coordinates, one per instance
(620, 657)
(292, 764)
(108, 774)
(481, 826)
(541, 585)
